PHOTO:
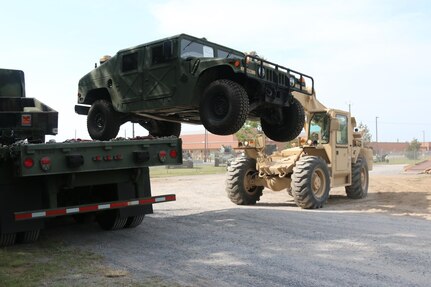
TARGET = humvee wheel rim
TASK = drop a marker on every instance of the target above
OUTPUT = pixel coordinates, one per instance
(318, 183)
(100, 121)
(221, 106)
(249, 185)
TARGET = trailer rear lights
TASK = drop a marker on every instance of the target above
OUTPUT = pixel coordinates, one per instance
(141, 156)
(173, 153)
(45, 163)
(28, 162)
(162, 155)
(97, 158)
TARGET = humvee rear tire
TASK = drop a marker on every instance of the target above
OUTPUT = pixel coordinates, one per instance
(240, 185)
(111, 220)
(7, 239)
(158, 128)
(359, 187)
(102, 121)
(224, 107)
(289, 127)
(310, 182)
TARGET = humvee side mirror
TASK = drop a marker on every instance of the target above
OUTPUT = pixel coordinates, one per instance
(168, 50)
(335, 125)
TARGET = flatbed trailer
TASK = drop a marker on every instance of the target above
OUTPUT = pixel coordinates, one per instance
(107, 181)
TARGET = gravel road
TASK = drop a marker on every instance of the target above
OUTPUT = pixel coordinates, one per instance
(203, 239)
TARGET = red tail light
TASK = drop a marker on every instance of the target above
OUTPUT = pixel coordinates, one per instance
(28, 162)
(162, 155)
(173, 153)
(45, 163)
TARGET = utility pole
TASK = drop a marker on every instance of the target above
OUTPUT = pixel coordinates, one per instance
(377, 137)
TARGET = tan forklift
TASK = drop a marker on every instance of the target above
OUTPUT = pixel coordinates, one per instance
(331, 155)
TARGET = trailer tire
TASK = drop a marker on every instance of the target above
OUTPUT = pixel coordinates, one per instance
(158, 128)
(28, 236)
(239, 184)
(289, 127)
(310, 182)
(7, 239)
(102, 121)
(360, 179)
(224, 107)
(133, 221)
(111, 220)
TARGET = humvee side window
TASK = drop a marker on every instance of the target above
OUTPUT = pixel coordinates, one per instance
(342, 131)
(319, 128)
(228, 55)
(129, 62)
(194, 49)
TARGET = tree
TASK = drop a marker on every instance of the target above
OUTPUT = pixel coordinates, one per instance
(366, 137)
(412, 151)
(248, 131)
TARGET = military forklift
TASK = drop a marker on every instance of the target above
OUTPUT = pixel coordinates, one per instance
(332, 154)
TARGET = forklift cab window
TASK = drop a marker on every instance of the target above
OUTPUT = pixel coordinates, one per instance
(342, 130)
(319, 128)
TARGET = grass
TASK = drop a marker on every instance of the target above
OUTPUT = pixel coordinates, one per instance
(56, 264)
(403, 160)
(161, 171)
(40, 263)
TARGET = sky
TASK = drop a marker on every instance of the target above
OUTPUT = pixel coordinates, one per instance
(370, 56)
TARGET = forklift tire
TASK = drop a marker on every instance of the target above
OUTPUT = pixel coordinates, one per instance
(289, 127)
(7, 239)
(28, 236)
(111, 220)
(102, 121)
(239, 184)
(359, 187)
(224, 107)
(310, 182)
(133, 221)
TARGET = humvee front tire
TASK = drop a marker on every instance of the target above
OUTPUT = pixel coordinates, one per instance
(240, 186)
(224, 107)
(310, 182)
(359, 187)
(102, 121)
(288, 127)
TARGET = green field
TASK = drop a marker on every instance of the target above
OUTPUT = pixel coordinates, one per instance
(162, 171)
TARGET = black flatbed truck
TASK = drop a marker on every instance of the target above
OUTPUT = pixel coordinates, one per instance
(104, 180)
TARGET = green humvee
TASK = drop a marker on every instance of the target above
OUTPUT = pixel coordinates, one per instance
(184, 79)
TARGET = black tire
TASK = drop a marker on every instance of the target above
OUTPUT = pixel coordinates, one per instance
(28, 236)
(224, 107)
(239, 184)
(111, 220)
(161, 128)
(134, 221)
(310, 182)
(288, 127)
(102, 121)
(360, 179)
(7, 239)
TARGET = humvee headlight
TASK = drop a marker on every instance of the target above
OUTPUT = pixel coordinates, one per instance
(246, 143)
(292, 81)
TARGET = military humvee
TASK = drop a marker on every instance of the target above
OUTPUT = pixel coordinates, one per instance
(184, 79)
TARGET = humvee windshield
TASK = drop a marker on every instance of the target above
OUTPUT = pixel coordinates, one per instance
(319, 127)
(191, 48)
